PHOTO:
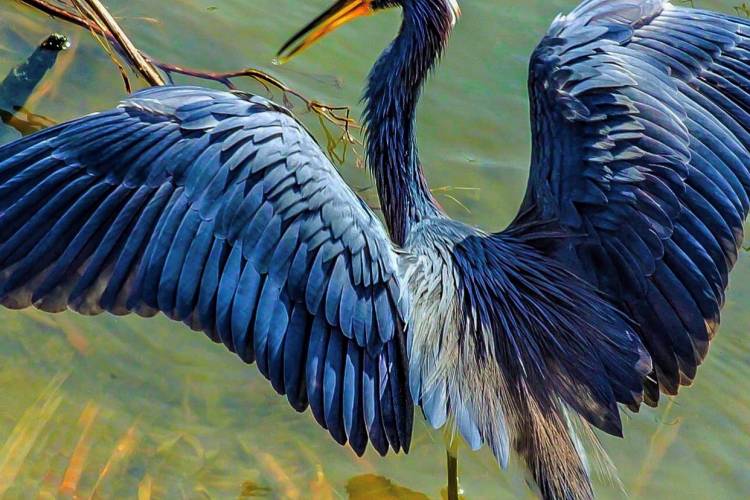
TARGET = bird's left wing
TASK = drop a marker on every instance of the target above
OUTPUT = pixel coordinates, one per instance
(641, 130)
(219, 210)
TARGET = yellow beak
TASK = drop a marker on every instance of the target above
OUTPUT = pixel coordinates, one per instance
(339, 14)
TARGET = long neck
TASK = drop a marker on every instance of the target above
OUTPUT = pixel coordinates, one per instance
(391, 97)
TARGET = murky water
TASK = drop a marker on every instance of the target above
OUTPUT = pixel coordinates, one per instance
(109, 407)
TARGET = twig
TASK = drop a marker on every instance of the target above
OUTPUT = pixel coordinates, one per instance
(144, 67)
(337, 115)
(108, 43)
(59, 13)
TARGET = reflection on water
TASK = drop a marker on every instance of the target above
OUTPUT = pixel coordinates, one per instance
(106, 407)
(19, 84)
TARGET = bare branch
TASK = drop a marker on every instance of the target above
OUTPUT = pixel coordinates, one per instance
(143, 66)
(337, 115)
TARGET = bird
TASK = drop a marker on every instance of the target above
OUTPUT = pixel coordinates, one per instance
(219, 210)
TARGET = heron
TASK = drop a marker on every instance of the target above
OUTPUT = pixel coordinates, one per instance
(219, 210)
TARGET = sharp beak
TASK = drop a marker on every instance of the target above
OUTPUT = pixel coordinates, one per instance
(339, 14)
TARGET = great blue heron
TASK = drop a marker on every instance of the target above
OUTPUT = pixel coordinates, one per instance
(219, 210)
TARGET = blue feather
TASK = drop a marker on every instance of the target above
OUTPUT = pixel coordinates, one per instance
(14, 192)
(268, 321)
(207, 297)
(275, 345)
(295, 351)
(347, 307)
(403, 405)
(202, 171)
(52, 243)
(242, 155)
(253, 232)
(231, 203)
(371, 405)
(243, 308)
(351, 399)
(467, 427)
(362, 318)
(108, 250)
(298, 273)
(156, 252)
(240, 219)
(315, 365)
(211, 200)
(335, 288)
(72, 257)
(220, 211)
(132, 250)
(316, 284)
(333, 376)
(283, 252)
(142, 166)
(266, 244)
(435, 403)
(22, 240)
(230, 277)
(190, 277)
(384, 316)
(175, 262)
(387, 400)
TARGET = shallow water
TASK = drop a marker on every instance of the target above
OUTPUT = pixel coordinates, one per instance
(110, 407)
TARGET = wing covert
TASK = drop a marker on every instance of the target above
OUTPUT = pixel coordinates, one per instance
(641, 148)
(219, 210)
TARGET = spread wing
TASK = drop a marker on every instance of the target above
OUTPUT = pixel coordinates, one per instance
(641, 132)
(220, 211)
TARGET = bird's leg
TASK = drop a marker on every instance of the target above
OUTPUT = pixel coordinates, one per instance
(452, 476)
(452, 454)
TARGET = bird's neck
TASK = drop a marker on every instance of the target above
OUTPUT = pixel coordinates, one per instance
(393, 89)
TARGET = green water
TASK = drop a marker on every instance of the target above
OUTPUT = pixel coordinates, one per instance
(128, 408)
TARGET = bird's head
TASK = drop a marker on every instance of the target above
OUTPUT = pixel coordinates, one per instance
(344, 11)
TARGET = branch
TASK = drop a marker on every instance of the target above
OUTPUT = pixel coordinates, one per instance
(61, 13)
(337, 115)
(144, 67)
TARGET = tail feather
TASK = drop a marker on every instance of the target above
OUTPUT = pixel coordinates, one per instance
(551, 454)
(515, 348)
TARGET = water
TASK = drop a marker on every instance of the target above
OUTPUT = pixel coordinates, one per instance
(118, 407)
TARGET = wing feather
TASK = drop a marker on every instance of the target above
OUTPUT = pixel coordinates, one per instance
(651, 104)
(219, 210)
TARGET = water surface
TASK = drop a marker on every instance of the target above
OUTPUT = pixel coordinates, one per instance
(113, 407)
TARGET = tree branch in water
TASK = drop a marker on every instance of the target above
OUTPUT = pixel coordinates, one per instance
(101, 16)
(337, 115)
(21, 81)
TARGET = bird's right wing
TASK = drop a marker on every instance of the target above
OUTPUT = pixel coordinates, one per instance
(221, 211)
(641, 126)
